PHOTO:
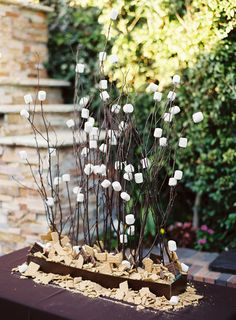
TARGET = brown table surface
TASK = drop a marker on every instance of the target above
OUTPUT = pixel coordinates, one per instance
(22, 299)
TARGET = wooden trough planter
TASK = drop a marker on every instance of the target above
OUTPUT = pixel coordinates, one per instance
(106, 280)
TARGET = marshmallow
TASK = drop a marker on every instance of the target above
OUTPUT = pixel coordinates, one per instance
(103, 169)
(24, 114)
(122, 125)
(157, 132)
(79, 68)
(70, 123)
(145, 163)
(112, 133)
(66, 177)
(105, 184)
(113, 141)
(172, 182)
(42, 95)
(96, 169)
(174, 300)
(85, 113)
(174, 110)
(184, 267)
(84, 101)
(125, 196)
(114, 59)
(103, 148)
(167, 117)
(197, 117)
(28, 99)
(138, 177)
(176, 79)
(76, 190)
(56, 181)
(163, 142)
(172, 245)
(114, 14)
(93, 144)
(131, 230)
(76, 249)
(93, 134)
(171, 95)
(129, 168)
(157, 96)
(91, 120)
(123, 238)
(152, 87)
(49, 202)
(128, 108)
(126, 263)
(178, 175)
(129, 219)
(103, 84)
(115, 108)
(104, 95)
(23, 154)
(116, 186)
(23, 267)
(84, 151)
(80, 197)
(183, 142)
(88, 126)
(102, 56)
(128, 176)
(88, 169)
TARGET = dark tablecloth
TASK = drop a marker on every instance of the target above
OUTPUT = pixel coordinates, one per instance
(22, 299)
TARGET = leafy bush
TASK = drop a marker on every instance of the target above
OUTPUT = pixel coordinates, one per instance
(155, 39)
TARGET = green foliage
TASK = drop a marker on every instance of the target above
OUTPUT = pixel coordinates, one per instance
(155, 39)
(211, 171)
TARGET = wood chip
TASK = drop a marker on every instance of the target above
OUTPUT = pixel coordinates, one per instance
(148, 264)
(59, 249)
(116, 258)
(101, 256)
(64, 241)
(80, 262)
(55, 237)
(124, 286)
(32, 269)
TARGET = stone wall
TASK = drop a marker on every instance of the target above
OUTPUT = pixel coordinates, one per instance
(23, 52)
(22, 212)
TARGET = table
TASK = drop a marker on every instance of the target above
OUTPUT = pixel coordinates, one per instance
(22, 299)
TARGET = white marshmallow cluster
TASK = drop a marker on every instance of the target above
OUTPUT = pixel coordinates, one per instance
(42, 95)
(28, 99)
(24, 114)
(125, 196)
(157, 96)
(197, 117)
(115, 108)
(79, 68)
(104, 95)
(70, 123)
(183, 142)
(128, 108)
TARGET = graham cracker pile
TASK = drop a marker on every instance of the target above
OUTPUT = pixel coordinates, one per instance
(141, 299)
(100, 261)
(96, 260)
